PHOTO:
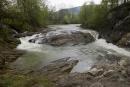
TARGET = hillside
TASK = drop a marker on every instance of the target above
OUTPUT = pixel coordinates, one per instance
(74, 10)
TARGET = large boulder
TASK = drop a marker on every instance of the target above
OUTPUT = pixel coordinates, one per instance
(58, 68)
(63, 37)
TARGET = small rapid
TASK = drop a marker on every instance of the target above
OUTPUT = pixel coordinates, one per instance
(38, 55)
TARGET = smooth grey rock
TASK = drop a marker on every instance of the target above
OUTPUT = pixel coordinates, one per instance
(64, 37)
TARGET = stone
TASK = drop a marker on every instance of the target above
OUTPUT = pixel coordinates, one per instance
(96, 72)
(123, 63)
(108, 73)
(97, 84)
(58, 67)
(64, 37)
(128, 70)
(125, 41)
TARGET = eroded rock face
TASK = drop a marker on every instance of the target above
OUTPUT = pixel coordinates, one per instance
(118, 24)
(110, 71)
(107, 72)
(64, 64)
(125, 41)
(8, 56)
(58, 68)
(64, 37)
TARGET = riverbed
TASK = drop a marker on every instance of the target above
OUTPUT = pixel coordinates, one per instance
(39, 55)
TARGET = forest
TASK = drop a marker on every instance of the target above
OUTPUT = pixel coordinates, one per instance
(83, 46)
(30, 14)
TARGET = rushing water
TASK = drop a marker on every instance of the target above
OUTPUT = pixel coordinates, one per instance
(39, 55)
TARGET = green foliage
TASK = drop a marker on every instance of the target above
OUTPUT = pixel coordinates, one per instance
(3, 8)
(93, 15)
(11, 80)
(35, 13)
(111, 3)
(4, 33)
(23, 15)
(70, 19)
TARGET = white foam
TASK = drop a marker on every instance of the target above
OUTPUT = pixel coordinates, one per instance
(103, 43)
(86, 54)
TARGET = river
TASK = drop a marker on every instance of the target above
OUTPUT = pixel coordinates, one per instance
(39, 55)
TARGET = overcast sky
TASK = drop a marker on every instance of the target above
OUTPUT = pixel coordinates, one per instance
(59, 4)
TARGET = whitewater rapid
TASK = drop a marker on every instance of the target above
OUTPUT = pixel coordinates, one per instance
(39, 55)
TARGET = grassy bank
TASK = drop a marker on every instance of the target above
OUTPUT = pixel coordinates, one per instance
(16, 80)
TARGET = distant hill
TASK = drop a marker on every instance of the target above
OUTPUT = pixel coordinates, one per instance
(74, 10)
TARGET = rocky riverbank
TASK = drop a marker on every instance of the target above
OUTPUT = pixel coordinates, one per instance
(8, 54)
(9, 39)
(110, 70)
(117, 28)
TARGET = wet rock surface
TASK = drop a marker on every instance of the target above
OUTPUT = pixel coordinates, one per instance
(110, 70)
(9, 56)
(101, 75)
(125, 41)
(58, 68)
(64, 37)
(8, 53)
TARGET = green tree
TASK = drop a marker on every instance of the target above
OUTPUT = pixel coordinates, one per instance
(23, 15)
(93, 15)
(3, 8)
(35, 13)
(110, 3)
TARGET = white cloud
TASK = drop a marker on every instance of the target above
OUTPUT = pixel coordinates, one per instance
(58, 4)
